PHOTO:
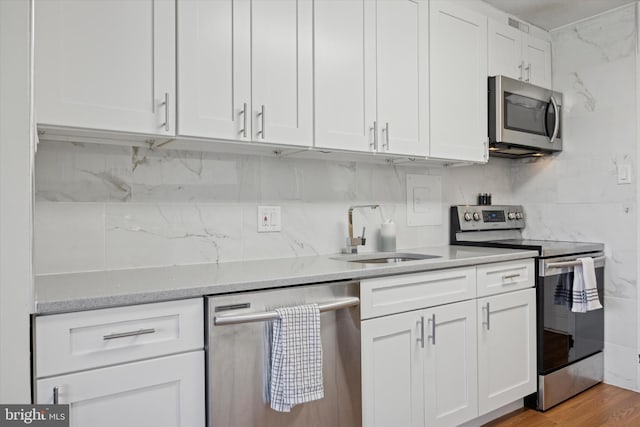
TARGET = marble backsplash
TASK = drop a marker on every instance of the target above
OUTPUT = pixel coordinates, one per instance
(575, 196)
(105, 207)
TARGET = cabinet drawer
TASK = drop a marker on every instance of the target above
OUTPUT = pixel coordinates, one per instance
(505, 276)
(88, 339)
(388, 295)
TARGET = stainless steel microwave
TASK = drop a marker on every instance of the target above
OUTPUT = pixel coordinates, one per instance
(524, 120)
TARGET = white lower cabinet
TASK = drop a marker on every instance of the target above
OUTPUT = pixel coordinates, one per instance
(506, 348)
(163, 392)
(448, 364)
(134, 366)
(392, 371)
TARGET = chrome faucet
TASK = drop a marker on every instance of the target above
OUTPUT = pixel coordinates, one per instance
(354, 242)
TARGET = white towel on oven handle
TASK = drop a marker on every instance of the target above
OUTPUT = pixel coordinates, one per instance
(585, 287)
(296, 357)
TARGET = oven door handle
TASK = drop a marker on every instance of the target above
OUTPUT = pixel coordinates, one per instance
(564, 264)
(272, 315)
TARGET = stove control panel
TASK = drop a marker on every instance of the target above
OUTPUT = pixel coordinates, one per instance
(486, 217)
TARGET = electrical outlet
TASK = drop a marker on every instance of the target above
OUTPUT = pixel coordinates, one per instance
(269, 219)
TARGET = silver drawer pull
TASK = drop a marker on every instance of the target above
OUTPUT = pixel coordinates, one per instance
(433, 329)
(272, 315)
(488, 322)
(510, 276)
(129, 334)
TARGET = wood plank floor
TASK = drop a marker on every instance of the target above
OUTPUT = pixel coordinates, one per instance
(602, 405)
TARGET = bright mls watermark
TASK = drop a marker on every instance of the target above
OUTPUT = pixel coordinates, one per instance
(34, 415)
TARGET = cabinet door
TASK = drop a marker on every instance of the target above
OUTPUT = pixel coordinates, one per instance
(505, 51)
(282, 71)
(451, 394)
(392, 371)
(506, 348)
(106, 64)
(168, 391)
(345, 74)
(537, 58)
(402, 76)
(214, 69)
(458, 82)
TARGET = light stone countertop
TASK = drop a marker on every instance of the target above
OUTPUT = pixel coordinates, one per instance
(59, 293)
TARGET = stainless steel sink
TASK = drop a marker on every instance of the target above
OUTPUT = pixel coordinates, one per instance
(384, 258)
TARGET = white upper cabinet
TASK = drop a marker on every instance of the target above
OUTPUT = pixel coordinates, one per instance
(536, 55)
(282, 71)
(106, 64)
(245, 70)
(371, 76)
(214, 69)
(505, 51)
(458, 82)
(403, 82)
(518, 55)
(345, 74)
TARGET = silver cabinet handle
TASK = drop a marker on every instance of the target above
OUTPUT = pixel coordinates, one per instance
(56, 395)
(129, 334)
(421, 339)
(243, 131)
(374, 129)
(433, 329)
(521, 67)
(166, 111)
(510, 276)
(386, 136)
(261, 115)
(556, 125)
(272, 315)
(528, 70)
(488, 322)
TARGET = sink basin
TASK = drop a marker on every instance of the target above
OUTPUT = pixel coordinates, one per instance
(382, 258)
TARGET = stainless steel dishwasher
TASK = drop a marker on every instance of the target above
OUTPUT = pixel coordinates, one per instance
(238, 357)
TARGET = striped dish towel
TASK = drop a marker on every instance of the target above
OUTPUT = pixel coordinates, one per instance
(563, 294)
(296, 357)
(585, 291)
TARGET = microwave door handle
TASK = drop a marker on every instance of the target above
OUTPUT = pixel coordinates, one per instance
(556, 125)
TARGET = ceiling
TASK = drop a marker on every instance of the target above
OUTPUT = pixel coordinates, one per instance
(550, 14)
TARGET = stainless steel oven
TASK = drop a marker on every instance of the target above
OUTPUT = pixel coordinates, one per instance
(524, 120)
(569, 344)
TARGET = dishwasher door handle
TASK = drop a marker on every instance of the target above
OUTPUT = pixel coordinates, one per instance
(272, 315)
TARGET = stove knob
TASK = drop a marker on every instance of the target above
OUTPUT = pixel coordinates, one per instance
(512, 215)
(467, 216)
(519, 215)
(476, 216)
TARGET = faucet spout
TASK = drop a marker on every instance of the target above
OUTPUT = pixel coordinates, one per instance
(354, 242)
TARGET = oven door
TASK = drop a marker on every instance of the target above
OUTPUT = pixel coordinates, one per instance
(564, 336)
